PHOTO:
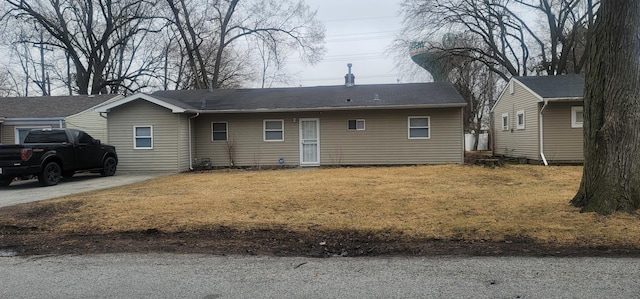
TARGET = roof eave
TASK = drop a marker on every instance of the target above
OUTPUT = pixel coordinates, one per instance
(94, 108)
(395, 107)
(563, 99)
(25, 119)
(107, 107)
(34, 120)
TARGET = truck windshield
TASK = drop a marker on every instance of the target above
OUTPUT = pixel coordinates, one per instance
(46, 137)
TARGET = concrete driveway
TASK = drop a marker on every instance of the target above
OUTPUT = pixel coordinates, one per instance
(28, 191)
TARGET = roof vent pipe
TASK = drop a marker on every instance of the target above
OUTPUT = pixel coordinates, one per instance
(349, 78)
(210, 87)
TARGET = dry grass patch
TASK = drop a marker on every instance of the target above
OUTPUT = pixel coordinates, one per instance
(442, 202)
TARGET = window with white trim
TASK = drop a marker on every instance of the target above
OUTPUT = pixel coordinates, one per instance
(273, 130)
(577, 116)
(419, 127)
(143, 137)
(219, 131)
(520, 120)
(355, 125)
(21, 132)
(505, 121)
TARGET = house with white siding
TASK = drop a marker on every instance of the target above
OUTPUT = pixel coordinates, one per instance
(383, 124)
(540, 119)
(19, 115)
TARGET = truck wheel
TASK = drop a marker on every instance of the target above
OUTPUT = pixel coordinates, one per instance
(5, 182)
(109, 167)
(50, 175)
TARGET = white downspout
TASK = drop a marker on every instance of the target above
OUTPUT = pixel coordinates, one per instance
(190, 146)
(544, 159)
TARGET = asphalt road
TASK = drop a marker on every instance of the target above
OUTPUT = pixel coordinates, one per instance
(200, 276)
(30, 190)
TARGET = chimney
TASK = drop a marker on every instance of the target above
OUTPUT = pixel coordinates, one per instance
(349, 79)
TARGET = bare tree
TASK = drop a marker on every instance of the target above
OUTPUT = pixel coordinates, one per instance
(477, 85)
(100, 38)
(283, 23)
(218, 38)
(272, 68)
(471, 78)
(191, 25)
(512, 44)
(611, 175)
(8, 84)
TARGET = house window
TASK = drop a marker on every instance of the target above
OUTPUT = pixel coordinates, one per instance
(143, 137)
(21, 133)
(356, 125)
(505, 121)
(520, 120)
(274, 130)
(419, 127)
(219, 131)
(511, 88)
(577, 116)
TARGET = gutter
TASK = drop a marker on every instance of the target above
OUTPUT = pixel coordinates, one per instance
(339, 108)
(568, 99)
(190, 142)
(544, 159)
(32, 121)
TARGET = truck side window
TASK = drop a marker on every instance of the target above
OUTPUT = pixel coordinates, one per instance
(85, 139)
(37, 136)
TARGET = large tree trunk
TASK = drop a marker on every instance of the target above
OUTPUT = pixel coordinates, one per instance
(611, 175)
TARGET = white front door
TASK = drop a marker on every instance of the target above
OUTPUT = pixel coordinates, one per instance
(309, 141)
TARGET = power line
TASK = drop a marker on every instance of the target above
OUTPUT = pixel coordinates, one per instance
(363, 33)
(343, 58)
(359, 19)
(339, 40)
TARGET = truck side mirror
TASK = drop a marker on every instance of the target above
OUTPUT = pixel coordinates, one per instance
(96, 141)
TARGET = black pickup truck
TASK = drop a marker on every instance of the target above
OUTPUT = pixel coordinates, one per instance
(51, 154)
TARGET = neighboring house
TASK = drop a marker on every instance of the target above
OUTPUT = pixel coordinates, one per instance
(19, 115)
(540, 119)
(388, 124)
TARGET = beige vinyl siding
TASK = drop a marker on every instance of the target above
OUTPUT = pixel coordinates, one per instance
(561, 142)
(384, 140)
(7, 134)
(245, 133)
(167, 148)
(183, 142)
(515, 142)
(90, 122)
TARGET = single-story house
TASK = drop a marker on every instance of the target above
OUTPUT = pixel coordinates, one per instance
(386, 124)
(20, 114)
(540, 119)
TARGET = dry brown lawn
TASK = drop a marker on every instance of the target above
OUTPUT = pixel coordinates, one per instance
(441, 202)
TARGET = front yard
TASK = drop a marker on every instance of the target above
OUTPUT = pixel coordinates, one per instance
(518, 205)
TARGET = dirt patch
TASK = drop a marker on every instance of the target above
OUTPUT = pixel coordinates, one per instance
(281, 242)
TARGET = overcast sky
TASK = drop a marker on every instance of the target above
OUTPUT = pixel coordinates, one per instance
(358, 32)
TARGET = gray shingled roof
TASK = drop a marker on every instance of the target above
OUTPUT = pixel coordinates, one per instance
(555, 87)
(319, 97)
(49, 107)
